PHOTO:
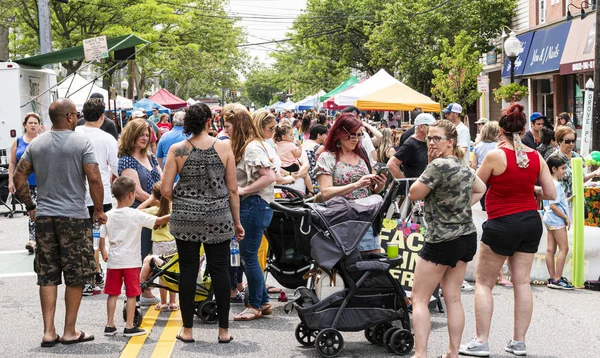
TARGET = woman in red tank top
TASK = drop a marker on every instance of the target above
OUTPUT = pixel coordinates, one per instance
(513, 229)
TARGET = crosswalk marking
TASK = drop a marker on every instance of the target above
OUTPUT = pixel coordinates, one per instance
(166, 342)
(135, 344)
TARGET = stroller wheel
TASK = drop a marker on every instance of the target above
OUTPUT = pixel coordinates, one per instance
(369, 334)
(137, 316)
(379, 331)
(402, 341)
(329, 342)
(387, 338)
(207, 311)
(305, 336)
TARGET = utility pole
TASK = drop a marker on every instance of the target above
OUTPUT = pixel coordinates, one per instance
(44, 24)
(596, 117)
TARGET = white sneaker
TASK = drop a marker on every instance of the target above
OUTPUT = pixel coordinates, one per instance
(475, 349)
(516, 348)
(466, 287)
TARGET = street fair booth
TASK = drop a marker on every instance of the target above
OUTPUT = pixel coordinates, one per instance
(351, 81)
(147, 105)
(78, 90)
(397, 97)
(278, 106)
(289, 105)
(167, 99)
(308, 103)
(378, 81)
(330, 102)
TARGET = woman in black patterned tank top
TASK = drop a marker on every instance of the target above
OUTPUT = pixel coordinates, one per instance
(206, 210)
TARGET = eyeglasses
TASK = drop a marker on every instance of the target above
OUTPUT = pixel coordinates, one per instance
(569, 141)
(357, 135)
(435, 139)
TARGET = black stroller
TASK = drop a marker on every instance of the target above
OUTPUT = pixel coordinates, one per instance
(372, 298)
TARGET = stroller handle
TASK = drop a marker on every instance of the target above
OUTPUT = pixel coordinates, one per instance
(302, 212)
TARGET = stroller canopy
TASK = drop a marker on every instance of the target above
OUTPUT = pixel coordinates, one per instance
(342, 224)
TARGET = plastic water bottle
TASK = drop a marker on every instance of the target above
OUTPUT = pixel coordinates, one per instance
(96, 235)
(234, 250)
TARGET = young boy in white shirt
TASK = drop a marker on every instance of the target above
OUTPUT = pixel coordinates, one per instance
(123, 229)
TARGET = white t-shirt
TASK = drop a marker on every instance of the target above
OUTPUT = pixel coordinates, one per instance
(464, 140)
(367, 143)
(123, 229)
(105, 148)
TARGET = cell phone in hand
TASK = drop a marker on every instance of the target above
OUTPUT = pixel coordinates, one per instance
(382, 170)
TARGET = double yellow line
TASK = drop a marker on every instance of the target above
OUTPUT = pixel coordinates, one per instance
(166, 342)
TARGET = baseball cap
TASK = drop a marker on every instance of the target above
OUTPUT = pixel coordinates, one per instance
(482, 121)
(424, 118)
(453, 107)
(535, 116)
(138, 114)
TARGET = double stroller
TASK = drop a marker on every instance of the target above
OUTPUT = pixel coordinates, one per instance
(371, 300)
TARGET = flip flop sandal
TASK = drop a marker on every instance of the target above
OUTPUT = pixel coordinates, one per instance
(249, 314)
(225, 340)
(51, 343)
(82, 338)
(173, 307)
(273, 289)
(161, 307)
(266, 309)
(185, 340)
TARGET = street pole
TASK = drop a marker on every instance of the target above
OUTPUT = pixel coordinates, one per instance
(512, 68)
(596, 114)
(44, 24)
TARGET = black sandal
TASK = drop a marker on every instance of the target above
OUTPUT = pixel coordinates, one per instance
(225, 340)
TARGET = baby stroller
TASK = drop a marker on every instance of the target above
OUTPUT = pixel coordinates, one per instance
(206, 307)
(372, 298)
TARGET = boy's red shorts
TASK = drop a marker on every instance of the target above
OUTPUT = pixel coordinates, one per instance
(116, 277)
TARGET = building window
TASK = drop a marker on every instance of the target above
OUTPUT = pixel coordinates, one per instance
(542, 11)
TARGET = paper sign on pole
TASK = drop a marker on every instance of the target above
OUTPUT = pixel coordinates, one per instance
(586, 128)
(483, 85)
(95, 48)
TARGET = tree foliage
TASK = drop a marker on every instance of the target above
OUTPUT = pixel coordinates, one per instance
(193, 44)
(263, 85)
(457, 68)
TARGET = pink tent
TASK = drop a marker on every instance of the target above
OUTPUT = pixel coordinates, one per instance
(167, 99)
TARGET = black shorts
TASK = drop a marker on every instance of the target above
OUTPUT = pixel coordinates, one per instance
(516, 232)
(448, 253)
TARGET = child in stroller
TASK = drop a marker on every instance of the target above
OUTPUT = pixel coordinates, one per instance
(372, 298)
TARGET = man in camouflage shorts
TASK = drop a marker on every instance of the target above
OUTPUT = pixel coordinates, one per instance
(61, 160)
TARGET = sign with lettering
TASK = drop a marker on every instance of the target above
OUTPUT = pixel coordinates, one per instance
(95, 48)
(483, 84)
(546, 49)
(410, 239)
(521, 58)
(588, 110)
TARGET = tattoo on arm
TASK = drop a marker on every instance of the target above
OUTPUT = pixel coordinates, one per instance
(182, 152)
(24, 167)
(24, 194)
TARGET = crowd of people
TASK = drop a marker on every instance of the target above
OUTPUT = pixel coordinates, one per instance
(199, 180)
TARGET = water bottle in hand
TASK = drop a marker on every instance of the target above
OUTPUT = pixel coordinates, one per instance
(234, 250)
(96, 235)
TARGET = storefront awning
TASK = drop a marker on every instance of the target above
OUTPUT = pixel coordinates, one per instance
(546, 49)
(579, 49)
(521, 58)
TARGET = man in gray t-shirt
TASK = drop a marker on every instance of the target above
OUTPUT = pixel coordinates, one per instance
(61, 160)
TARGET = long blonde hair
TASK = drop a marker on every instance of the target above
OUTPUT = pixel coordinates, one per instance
(244, 129)
(450, 133)
(261, 118)
(385, 143)
(133, 130)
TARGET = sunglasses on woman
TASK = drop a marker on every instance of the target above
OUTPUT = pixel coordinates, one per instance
(569, 141)
(357, 135)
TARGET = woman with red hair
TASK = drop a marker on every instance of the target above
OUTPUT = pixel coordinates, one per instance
(342, 169)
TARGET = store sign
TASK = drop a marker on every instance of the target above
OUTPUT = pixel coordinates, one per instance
(546, 49)
(483, 84)
(95, 48)
(588, 109)
(410, 240)
(526, 40)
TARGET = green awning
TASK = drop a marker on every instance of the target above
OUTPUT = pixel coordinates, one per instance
(76, 53)
(345, 85)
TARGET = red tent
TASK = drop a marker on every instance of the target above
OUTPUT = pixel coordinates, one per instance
(167, 99)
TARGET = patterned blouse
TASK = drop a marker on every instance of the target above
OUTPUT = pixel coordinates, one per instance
(147, 177)
(343, 173)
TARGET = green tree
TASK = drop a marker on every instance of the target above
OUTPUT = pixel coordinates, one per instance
(262, 84)
(457, 68)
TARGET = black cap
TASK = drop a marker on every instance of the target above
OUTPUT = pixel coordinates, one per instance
(96, 95)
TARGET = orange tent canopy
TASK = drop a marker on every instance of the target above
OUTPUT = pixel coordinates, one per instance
(397, 97)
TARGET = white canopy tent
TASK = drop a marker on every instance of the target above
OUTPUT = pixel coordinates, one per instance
(78, 90)
(379, 80)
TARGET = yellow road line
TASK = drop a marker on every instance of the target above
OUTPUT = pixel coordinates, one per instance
(135, 344)
(166, 342)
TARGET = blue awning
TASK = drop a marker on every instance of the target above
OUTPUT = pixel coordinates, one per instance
(546, 49)
(521, 58)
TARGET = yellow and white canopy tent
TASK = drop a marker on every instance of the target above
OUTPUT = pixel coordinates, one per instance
(397, 97)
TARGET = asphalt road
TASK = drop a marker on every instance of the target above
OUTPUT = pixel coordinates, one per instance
(565, 324)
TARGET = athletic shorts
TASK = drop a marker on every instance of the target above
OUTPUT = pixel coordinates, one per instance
(520, 232)
(63, 248)
(164, 248)
(115, 278)
(448, 253)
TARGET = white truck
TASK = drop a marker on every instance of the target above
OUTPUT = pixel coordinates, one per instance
(20, 87)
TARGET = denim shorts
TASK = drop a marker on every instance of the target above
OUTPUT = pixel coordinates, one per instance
(369, 242)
